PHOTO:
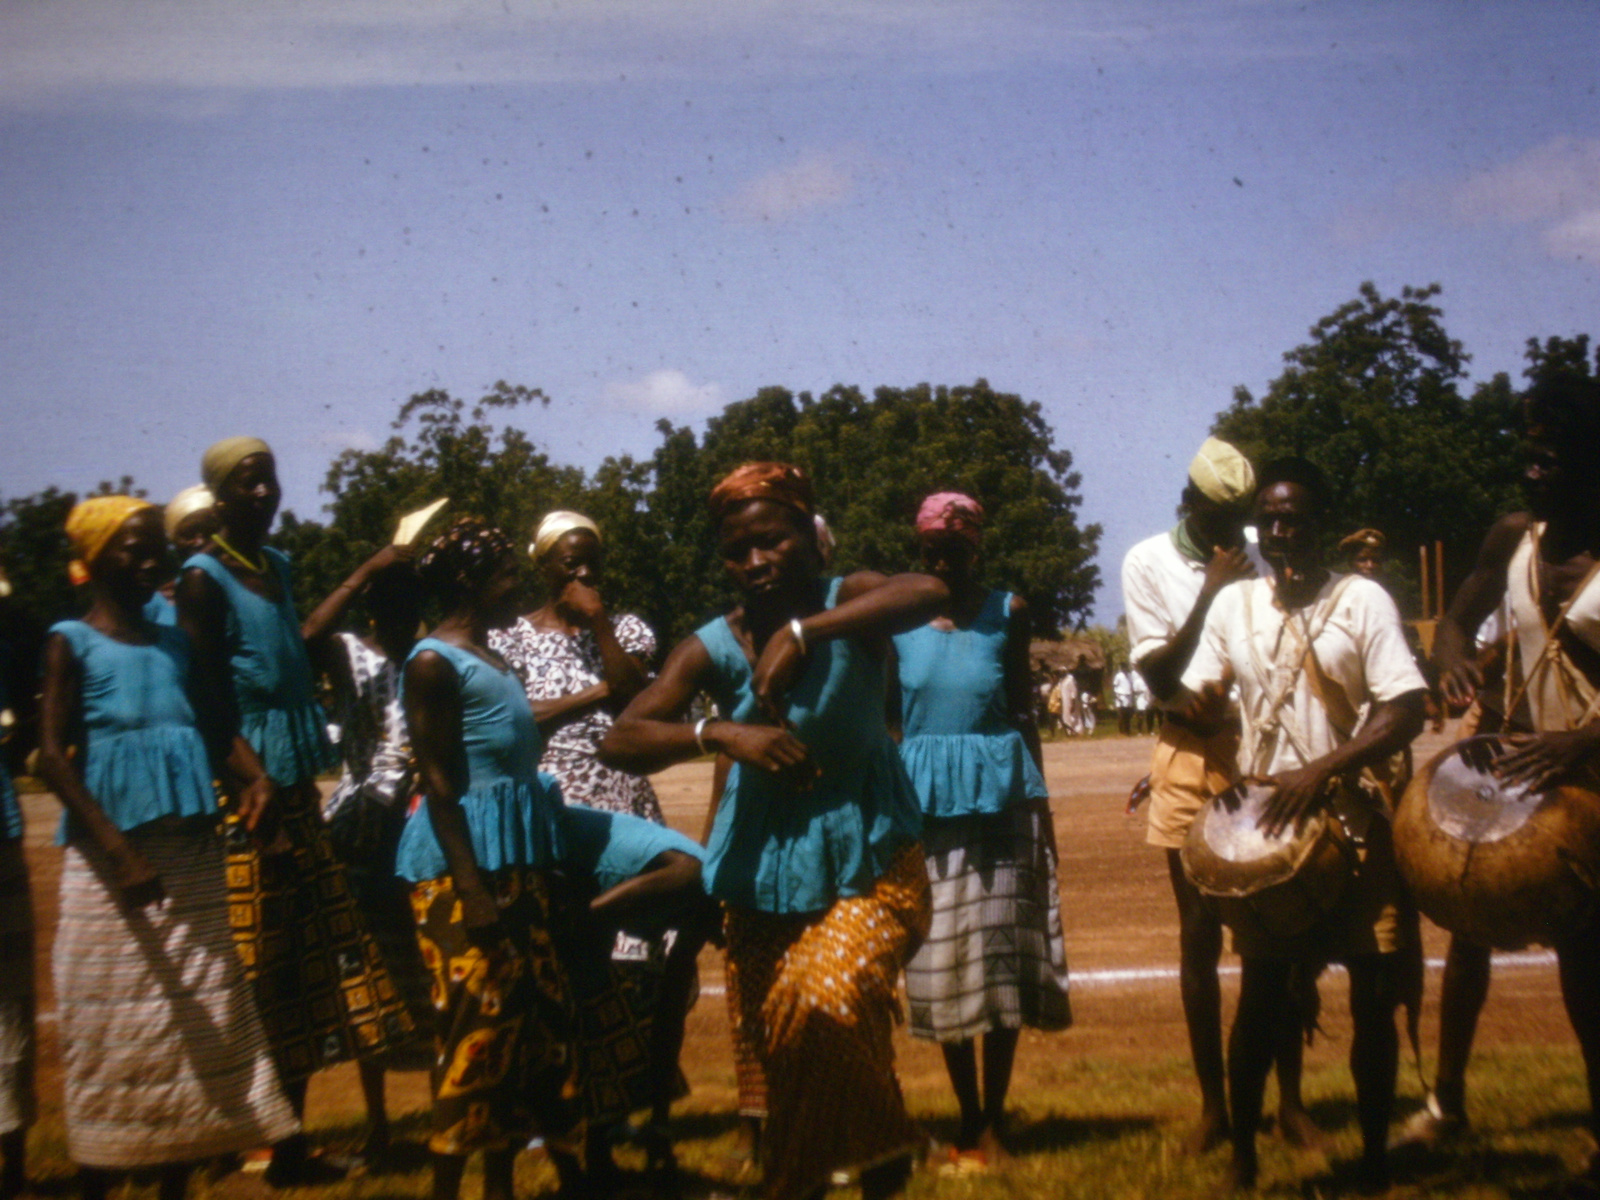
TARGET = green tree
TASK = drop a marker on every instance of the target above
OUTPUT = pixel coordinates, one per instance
(1375, 400)
(872, 461)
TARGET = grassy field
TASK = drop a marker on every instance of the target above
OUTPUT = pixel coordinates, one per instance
(1098, 1111)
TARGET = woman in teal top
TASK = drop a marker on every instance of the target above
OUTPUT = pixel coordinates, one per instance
(995, 958)
(321, 984)
(480, 851)
(814, 847)
(164, 1055)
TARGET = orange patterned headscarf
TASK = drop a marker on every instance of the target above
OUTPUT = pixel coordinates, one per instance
(94, 522)
(777, 482)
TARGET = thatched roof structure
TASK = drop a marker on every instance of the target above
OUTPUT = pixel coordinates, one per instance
(1061, 654)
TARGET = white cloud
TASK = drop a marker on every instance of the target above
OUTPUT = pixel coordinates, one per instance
(816, 181)
(1576, 237)
(70, 50)
(667, 393)
(1550, 181)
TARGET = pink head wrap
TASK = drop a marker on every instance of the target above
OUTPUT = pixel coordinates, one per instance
(953, 511)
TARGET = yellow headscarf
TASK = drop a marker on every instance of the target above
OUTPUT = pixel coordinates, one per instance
(222, 457)
(556, 526)
(93, 523)
(185, 504)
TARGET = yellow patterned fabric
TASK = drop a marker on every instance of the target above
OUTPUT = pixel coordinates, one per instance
(505, 1060)
(320, 982)
(820, 994)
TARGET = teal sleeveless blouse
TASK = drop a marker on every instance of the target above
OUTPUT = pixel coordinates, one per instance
(778, 849)
(272, 681)
(615, 847)
(143, 757)
(513, 812)
(962, 753)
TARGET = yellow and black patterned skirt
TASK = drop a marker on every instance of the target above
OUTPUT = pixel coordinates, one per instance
(320, 982)
(505, 1063)
(819, 992)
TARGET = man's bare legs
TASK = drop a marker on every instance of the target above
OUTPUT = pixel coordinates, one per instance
(1199, 953)
(1462, 995)
(1579, 959)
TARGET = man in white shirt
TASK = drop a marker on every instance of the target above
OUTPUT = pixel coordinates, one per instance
(1306, 650)
(1168, 584)
(1122, 697)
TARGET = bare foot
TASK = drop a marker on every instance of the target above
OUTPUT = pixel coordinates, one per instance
(1297, 1129)
(1210, 1133)
(992, 1148)
(1240, 1177)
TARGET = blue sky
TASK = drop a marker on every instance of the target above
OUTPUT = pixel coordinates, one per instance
(285, 218)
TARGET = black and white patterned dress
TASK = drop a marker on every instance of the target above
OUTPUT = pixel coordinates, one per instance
(553, 665)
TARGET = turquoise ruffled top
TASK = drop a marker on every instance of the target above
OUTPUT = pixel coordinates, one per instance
(513, 811)
(615, 847)
(142, 756)
(272, 681)
(158, 610)
(961, 751)
(777, 848)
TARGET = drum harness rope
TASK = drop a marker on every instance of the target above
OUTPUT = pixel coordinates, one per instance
(1550, 655)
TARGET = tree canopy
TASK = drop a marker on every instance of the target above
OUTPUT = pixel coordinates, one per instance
(1375, 400)
(871, 459)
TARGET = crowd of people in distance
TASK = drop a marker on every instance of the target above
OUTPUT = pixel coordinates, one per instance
(489, 891)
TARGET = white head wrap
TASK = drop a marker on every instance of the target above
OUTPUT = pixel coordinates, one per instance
(185, 504)
(556, 526)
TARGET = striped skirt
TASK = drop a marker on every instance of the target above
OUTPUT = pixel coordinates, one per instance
(163, 1052)
(819, 993)
(17, 1101)
(995, 956)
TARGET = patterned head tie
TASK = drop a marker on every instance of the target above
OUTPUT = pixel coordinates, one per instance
(951, 512)
(780, 483)
(464, 557)
(94, 522)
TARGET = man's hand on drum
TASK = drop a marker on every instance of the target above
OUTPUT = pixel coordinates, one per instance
(1300, 794)
(1541, 760)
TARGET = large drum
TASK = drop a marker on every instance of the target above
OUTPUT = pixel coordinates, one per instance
(1281, 886)
(1500, 865)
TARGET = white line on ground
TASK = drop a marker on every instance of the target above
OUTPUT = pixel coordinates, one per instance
(1111, 977)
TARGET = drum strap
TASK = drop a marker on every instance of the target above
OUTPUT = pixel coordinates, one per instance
(1549, 657)
(1272, 722)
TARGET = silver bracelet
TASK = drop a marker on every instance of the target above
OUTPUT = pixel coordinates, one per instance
(799, 634)
(699, 732)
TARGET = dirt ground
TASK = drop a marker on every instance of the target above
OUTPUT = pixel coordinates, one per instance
(1121, 948)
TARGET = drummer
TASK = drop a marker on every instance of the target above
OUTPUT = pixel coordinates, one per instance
(1545, 561)
(1308, 648)
(1168, 584)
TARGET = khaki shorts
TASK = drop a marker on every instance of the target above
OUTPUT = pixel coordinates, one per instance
(1185, 772)
(1374, 916)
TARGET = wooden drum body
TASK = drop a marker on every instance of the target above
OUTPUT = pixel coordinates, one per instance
(1280, 886)
(1499, 865)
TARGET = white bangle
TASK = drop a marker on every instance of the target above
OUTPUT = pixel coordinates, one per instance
(799, 634)
(699, 732)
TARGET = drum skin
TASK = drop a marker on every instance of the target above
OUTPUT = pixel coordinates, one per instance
(1499, 866)
(1280, 886)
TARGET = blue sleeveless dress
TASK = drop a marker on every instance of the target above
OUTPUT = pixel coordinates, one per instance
(143, 757)
(777, 849)
(513, 812)
(959, 747)
(272, 680)
(10, 809)
(158, 610)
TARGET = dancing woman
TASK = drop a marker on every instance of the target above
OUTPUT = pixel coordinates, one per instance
(995, 958)
(165, 1058)
(320, 981)
(814, 847)
(479, 855)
